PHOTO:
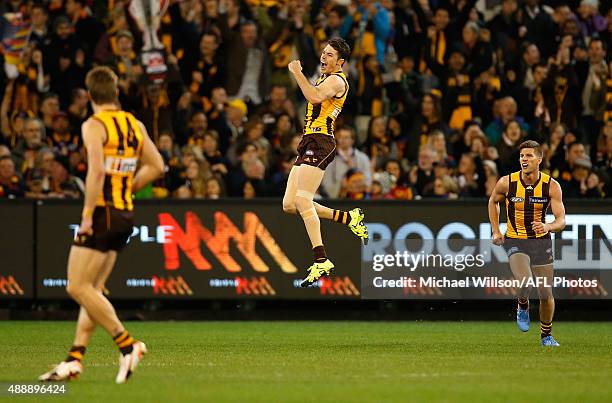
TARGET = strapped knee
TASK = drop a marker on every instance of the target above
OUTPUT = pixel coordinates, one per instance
(311, 212)
(305, 195)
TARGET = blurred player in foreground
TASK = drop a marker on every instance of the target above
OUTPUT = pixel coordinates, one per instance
(527, 194)
(116, 145)
(316, 151)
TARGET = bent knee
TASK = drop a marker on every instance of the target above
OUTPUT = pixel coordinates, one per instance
(74, 290)
(289, 207)
(302, 203)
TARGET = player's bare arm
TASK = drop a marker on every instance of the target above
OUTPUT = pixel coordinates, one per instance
(152, 162)
(94, 136)
(332, 86)
(558, 210)
(497, 196)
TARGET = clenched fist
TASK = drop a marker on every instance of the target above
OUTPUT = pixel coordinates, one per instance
(295, 66)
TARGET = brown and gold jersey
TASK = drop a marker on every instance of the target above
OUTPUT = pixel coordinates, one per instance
(122, 149)
(320, 118)
(526, 204)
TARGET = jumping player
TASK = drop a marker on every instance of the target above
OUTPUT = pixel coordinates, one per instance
(316, 151)
(527, 195)
(116, 144)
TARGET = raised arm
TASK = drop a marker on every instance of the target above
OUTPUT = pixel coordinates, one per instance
(497, 196)
(329, 88)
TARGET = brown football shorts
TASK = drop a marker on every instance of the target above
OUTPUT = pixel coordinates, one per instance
(317, 150)
(111, 230)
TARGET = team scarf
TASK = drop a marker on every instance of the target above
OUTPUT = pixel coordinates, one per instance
(16, 31)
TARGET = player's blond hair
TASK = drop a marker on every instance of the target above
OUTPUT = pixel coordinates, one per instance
(101, 83)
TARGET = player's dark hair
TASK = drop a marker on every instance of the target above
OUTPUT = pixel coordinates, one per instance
(101, 82)
(532, 144)
(340, 46)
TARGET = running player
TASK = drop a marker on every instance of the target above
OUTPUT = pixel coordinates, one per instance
(527, 194)
(116, 144)
(316, 151)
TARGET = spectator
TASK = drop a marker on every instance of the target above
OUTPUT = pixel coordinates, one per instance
(207, 71)
(196, 174)
(247, 62)
(347, 158)
(537, 26)
(437, 141)
(198, 127)
(429, 120)
(11, 184)
(277, 105)
(62, 140)
(215, 188)
(443, 188)
(126, 63)
(508, 148)
(423, 174)
(555, 148)
(379, 145)
(370, 37)
(560, 89)
(573, 151)
(249, 168)
(86, 27)
(49, 107)
(40, 32)
(435, 72)
(506, 111)
(354, 186)
(65, 60)
(248, 190)
(28, 147)
(210, 149)
(472, 177)
(583, 182)
(591, 78)
(399, 187)
(62, 184)
(78, 110)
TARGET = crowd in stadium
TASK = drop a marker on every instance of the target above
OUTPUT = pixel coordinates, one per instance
(442, 92)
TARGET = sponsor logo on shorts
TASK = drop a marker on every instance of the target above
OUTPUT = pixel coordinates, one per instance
(512, 250)
(517, 199)
(538, 199)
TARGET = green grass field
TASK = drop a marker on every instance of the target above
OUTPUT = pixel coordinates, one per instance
(324, 362)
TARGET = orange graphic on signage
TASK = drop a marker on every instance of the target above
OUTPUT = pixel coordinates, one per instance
(8, 286)
(422, 291)
(338, 286)
(188, 241)
(171, 285)
(254, 286)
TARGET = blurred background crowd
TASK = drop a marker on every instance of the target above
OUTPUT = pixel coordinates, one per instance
(442, 92)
